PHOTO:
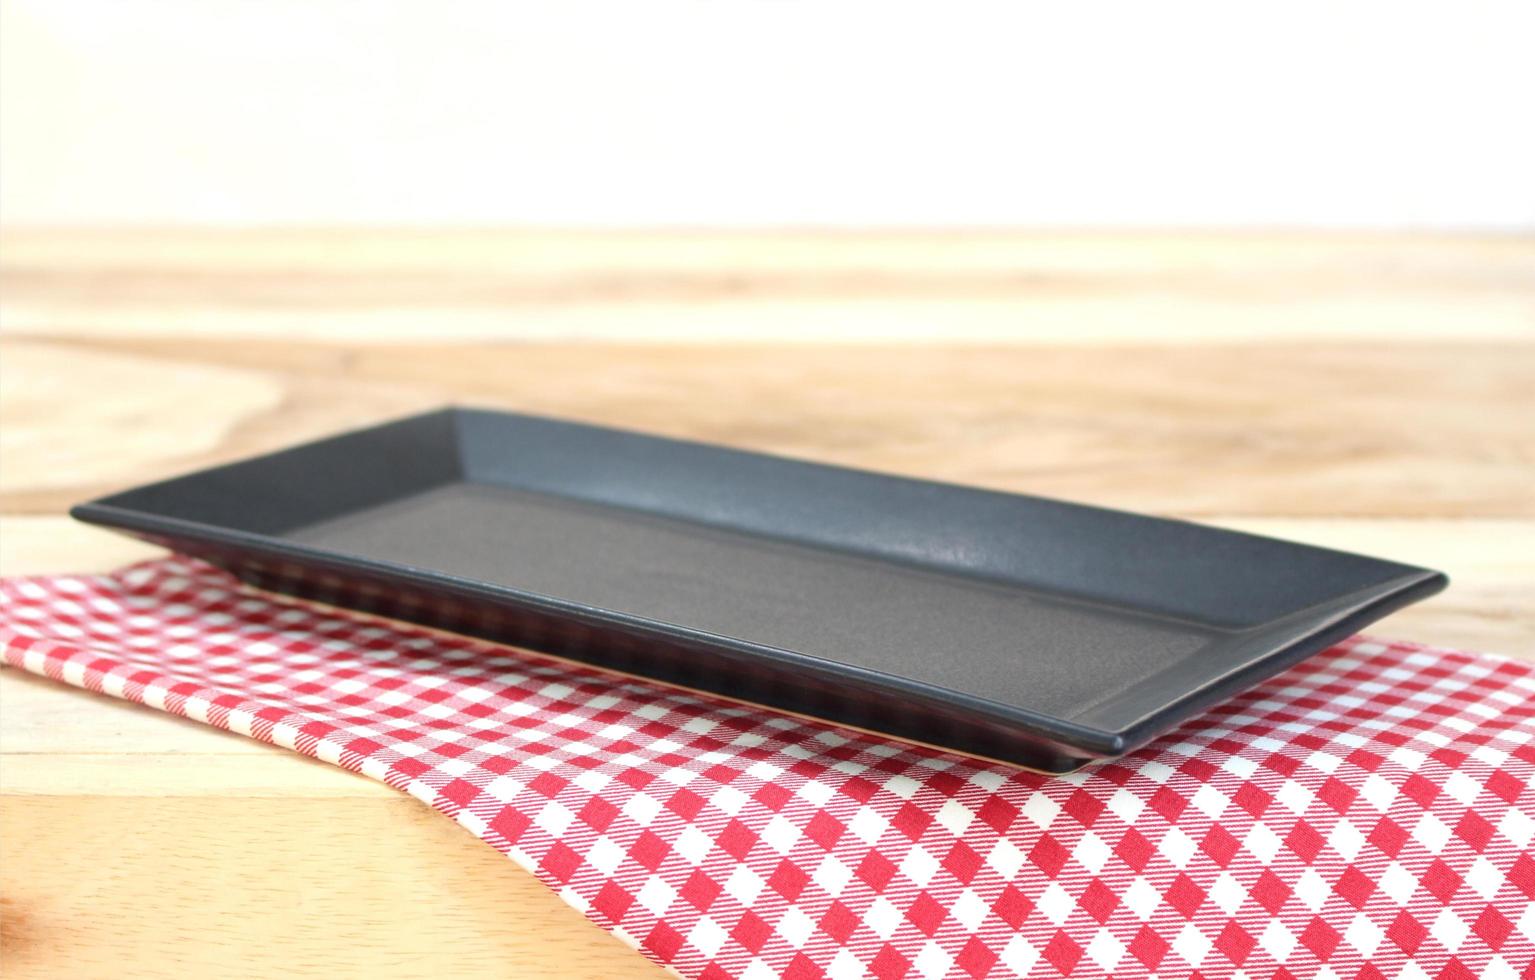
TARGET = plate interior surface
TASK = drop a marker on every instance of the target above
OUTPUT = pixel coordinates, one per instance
(982, 638)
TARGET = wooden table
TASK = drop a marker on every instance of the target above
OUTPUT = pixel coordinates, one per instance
(1366, 392)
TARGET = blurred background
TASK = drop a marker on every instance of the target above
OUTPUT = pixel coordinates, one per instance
(688, 113)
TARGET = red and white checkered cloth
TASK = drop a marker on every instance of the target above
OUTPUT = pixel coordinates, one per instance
(1368, 814)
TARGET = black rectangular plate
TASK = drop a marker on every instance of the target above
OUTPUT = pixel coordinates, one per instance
(1015, 628)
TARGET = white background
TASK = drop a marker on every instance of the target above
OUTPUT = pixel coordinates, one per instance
(747, 113)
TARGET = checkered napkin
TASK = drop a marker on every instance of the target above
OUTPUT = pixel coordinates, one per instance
(1367, 814)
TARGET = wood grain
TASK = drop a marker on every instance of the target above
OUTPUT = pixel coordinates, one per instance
(1422, 430)
(999, 286)
(1371, 393)
(112, 885)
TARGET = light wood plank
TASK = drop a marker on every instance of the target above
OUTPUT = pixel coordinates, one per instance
(144, 418)
(270, 773)
(787, 285)
(253, 886)
(54, 544)
(1429, 430)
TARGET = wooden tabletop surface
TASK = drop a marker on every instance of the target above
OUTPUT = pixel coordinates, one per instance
(1371, 393)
